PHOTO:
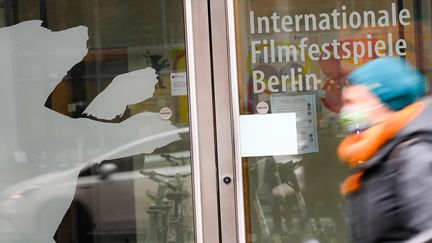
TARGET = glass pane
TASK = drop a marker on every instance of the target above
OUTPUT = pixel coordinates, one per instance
(94, 140)
(294, 57)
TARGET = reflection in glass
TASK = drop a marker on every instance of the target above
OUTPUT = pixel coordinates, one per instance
(86, 155)
(293, 61)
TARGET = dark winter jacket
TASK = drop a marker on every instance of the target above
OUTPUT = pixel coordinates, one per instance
(394, 202)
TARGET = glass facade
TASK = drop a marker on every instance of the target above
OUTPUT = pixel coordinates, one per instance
(95, 138)
(97, 106)
(294, 57)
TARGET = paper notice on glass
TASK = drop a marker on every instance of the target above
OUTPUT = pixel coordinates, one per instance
(304, 107)
(268, 134)
(178, 84)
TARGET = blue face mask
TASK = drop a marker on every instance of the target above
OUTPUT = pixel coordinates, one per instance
(356, 119)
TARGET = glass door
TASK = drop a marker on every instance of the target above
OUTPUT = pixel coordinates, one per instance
(288, 64)
(96, 102)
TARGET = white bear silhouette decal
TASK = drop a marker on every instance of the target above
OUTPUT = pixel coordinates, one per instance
(33, 60)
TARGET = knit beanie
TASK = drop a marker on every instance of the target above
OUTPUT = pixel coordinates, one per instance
(396, 82)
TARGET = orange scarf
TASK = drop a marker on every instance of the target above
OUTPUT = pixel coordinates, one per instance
(358, 149)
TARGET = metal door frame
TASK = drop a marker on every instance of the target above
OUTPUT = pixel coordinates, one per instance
(214, 118)
(201, 120)
(226, 96)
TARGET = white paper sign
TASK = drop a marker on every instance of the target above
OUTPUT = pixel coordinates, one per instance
(305, 109)
(268, 134)
(178, 84)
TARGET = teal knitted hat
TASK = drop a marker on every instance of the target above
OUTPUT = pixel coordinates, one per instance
(392, 79)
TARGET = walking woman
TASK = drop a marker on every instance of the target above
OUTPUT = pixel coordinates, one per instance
(389, 150)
